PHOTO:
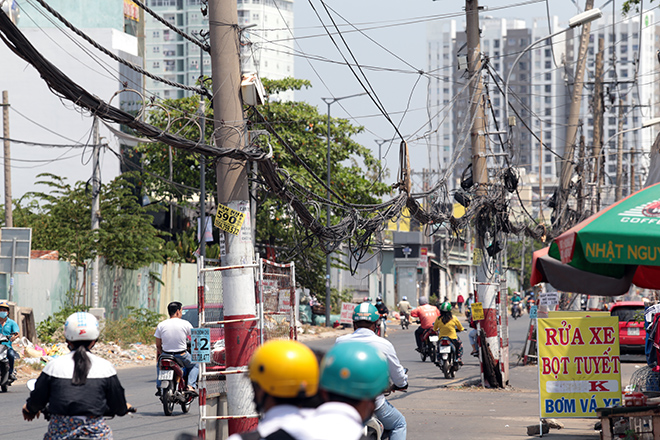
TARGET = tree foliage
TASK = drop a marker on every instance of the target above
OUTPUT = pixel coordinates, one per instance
(631, 5)
(60, 219)
(353, 170)
(515, 253)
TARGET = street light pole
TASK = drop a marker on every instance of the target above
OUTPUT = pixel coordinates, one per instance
(328, 303)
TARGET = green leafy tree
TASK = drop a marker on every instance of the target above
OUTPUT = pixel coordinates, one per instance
(631, 5)
(354, 170)
(61, 220)
(514, 253)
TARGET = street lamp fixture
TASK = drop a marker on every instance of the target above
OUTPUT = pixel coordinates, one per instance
(328, 303)
(578, 20)
(645, 124)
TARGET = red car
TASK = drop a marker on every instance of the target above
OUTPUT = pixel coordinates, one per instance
(213, 312)
(631, 325)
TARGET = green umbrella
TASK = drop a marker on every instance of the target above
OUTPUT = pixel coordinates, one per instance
(617, 245)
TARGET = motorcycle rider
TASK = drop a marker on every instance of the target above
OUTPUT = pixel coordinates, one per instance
(10, 330)
(515, 298)
(353, 374)
(447, 325)
(172, 338)
(365, 319)
(79, 388)
(404, 307)
(427, 315)
(285, 376)
(383, 310)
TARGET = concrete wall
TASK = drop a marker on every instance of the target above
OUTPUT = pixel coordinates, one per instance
(49, 284)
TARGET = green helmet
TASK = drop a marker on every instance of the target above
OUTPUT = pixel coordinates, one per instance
(445, 307)
(355, 370)
(365, 312)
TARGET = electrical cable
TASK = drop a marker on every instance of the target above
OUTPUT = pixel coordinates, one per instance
(199, 90)
(204, 46)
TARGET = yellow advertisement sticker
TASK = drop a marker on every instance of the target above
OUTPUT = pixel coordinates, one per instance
(477, 312)
(228, 219)
(579, 366)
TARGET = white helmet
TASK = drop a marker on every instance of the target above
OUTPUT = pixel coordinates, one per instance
(405, 298)
(81, 326)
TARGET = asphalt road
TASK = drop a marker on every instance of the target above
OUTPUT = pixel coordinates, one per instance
(433, 406)
(148, 423)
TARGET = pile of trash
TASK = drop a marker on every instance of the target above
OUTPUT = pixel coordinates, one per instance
(135, 354)
(38, 356)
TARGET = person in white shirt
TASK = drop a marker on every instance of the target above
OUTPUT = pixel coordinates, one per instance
(172, 338)
(353, 374)
(365, 319)
(285, 377)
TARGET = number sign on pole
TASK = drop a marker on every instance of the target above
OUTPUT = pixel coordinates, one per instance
(201, 345)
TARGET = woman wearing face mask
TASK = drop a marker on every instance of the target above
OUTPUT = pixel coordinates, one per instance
(9, 329)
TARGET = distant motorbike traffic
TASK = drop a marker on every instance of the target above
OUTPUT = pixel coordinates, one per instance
(429, 340)
(447, 357)
(5, 380)
(516, 310)
(405, 321)
(173, 384)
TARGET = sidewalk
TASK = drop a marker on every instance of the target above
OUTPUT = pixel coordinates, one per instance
(461, 411)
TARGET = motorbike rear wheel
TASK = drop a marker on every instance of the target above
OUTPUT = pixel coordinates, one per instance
(446, 369)
(4, 388)
(185, 407)
(168, 399)
(432, 353)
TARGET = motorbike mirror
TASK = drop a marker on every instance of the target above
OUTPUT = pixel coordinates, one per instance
(31, 384)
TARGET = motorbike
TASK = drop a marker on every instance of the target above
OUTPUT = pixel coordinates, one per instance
(380, 329)
(173, 385)
(5, 381)
(429, 339)
(373, 428)
(447, 357)
(516, 310)
(530, 303)
(468, 312)
(405, 322)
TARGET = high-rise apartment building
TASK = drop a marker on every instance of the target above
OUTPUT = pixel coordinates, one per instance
(540, 87)
(40, 116)
(267, 36)
(630, 87)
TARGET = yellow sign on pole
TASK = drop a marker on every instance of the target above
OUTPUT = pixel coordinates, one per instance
(229, 219)
(579, 366)
(478, 312)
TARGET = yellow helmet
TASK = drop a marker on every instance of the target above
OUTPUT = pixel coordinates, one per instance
(4, 303)
(286, 369)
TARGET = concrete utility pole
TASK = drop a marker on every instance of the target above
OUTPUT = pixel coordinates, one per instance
(598, 122)
(9, 221)
(96, 206)
(573, 117)
(233, 191)
(486, 289)
(632, 170)
(540, 172)
(202, 163)
(580, 193)
(618, 193)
